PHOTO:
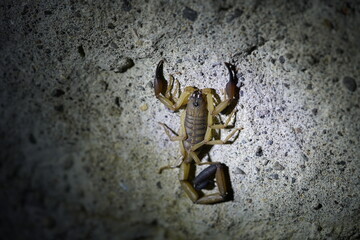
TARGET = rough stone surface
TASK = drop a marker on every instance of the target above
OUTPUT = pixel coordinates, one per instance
(80, 152)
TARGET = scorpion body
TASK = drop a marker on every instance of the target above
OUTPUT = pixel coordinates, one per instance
(195, 121)
(195, 131)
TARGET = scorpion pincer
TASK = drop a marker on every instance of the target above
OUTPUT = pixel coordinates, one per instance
(197, 124)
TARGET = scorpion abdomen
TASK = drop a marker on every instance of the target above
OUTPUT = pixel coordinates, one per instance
(195, 119)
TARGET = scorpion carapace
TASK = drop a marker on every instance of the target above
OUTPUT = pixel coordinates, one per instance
(197, 124)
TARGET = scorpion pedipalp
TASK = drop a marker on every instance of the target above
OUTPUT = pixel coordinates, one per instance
(163, 89)
(232, 91)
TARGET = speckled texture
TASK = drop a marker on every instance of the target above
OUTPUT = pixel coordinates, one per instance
(80, 143)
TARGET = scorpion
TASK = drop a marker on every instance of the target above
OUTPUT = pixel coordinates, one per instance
(196, 128)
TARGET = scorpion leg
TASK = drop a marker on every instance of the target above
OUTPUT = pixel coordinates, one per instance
(163, 89)
(172, 166)
(182, 136)
(172, 138)
(232, 91)
(215, 170)
(180, 163)
(221, 126)
(208, 141)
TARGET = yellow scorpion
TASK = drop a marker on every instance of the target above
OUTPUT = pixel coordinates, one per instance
(197, 124)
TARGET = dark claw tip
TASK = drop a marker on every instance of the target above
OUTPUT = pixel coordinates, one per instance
(231, 89)
(160, 83)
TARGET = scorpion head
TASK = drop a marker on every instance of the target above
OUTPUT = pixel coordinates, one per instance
(197, 99)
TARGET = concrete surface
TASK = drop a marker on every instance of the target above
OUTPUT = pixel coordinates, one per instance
(80, 143)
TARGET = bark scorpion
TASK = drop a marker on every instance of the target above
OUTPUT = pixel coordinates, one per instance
(196, 128)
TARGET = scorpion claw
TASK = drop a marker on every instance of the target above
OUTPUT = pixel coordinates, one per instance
(232, 90)
(160, 84)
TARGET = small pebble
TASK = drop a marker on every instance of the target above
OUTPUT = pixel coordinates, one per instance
(343, 163)
(126, 6)
(350, 83)
(81, 51)
(117, 101)
(190, 14)
(111, 26)
(278, 166)
(124, 65)
(32, 138)
(281, 59)
(259, 152)
(239, 171)
(144, 107)
(274, 176)
(237, 13)
(57, 93)
(59, 108)
(317, 207)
